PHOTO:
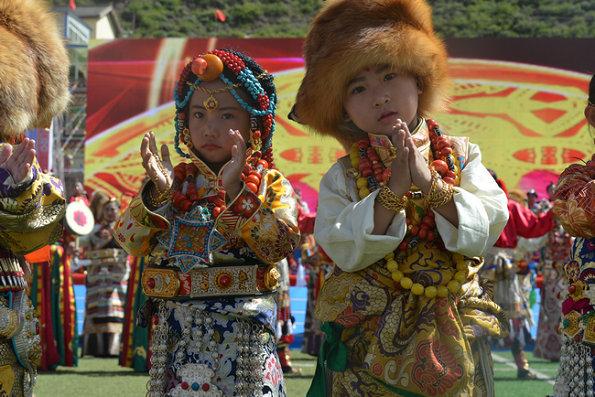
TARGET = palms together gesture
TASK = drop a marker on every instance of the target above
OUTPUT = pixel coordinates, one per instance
(411, 165)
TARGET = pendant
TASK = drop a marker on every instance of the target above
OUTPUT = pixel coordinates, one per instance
(211, 103)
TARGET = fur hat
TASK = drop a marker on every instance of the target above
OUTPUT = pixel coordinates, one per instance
(349, 35)
(34, 67)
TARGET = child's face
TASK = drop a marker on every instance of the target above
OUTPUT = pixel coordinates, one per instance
(110, 211)
(78, 189)
(209, 129)
(378, 96)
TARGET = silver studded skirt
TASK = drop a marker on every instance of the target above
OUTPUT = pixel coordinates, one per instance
(220, 348)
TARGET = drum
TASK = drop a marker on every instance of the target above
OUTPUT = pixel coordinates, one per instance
(79, 219)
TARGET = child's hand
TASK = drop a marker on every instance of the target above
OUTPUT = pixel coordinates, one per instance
(231, 176)
(418, 166)
(17, 160)
(400, 178)
(163, 176)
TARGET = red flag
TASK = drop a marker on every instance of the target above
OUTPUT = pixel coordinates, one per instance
(72, 5)
(218, 15)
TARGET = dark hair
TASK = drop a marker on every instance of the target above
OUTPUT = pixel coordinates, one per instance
(592, 90)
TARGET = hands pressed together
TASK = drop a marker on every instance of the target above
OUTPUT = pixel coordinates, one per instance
(409, 166)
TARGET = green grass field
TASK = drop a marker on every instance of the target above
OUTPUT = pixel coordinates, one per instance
(95, 377)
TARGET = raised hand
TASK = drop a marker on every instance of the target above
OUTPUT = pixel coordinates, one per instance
(231, 175)
(17, 160)
(421, 175)
(400, 178)
(160, 170)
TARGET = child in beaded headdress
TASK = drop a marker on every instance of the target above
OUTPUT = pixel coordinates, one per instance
(214, 227)
(405, 217)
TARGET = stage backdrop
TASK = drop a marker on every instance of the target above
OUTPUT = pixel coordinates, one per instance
(527, 118)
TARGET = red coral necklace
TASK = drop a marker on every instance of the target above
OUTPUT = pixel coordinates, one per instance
(185, 194)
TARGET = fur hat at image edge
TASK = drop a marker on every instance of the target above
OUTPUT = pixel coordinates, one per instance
(34, 67)
(349, 35)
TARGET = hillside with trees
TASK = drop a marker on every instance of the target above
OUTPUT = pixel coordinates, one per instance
(291, 18)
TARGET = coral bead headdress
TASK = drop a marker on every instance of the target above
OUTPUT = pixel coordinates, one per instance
(238, 72)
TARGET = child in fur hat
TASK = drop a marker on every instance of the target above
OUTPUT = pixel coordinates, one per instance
(33, 89)
(406, 217)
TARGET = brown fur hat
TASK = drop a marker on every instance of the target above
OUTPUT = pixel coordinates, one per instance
(34, 67)
(349, 35)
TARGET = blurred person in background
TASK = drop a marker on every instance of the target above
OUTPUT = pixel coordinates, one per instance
(502, 266)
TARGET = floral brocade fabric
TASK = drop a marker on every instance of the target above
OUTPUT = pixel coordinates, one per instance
(574, 200)
(31, 211)
(401, 344)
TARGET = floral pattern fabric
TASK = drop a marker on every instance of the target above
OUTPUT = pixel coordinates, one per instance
(31, 213)
(574, 199)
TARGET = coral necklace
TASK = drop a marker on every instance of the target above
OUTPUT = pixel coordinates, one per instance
(371, 174)
(185, 195)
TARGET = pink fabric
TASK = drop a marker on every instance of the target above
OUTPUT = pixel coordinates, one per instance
(524, 223)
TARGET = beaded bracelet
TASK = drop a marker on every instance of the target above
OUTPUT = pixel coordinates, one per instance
(437, 198)
(162, 196)
(390, 200)
(165, 175)
(161, 199)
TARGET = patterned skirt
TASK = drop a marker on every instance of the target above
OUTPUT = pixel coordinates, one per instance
(220, 347)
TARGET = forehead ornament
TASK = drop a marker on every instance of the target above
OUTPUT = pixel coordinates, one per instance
(208, 67)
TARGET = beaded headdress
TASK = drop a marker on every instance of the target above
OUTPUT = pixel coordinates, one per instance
(238, 72)
(34, 67)
(350, 35)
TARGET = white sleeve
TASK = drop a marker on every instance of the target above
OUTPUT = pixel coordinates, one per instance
(344, 225)
(482, 210)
